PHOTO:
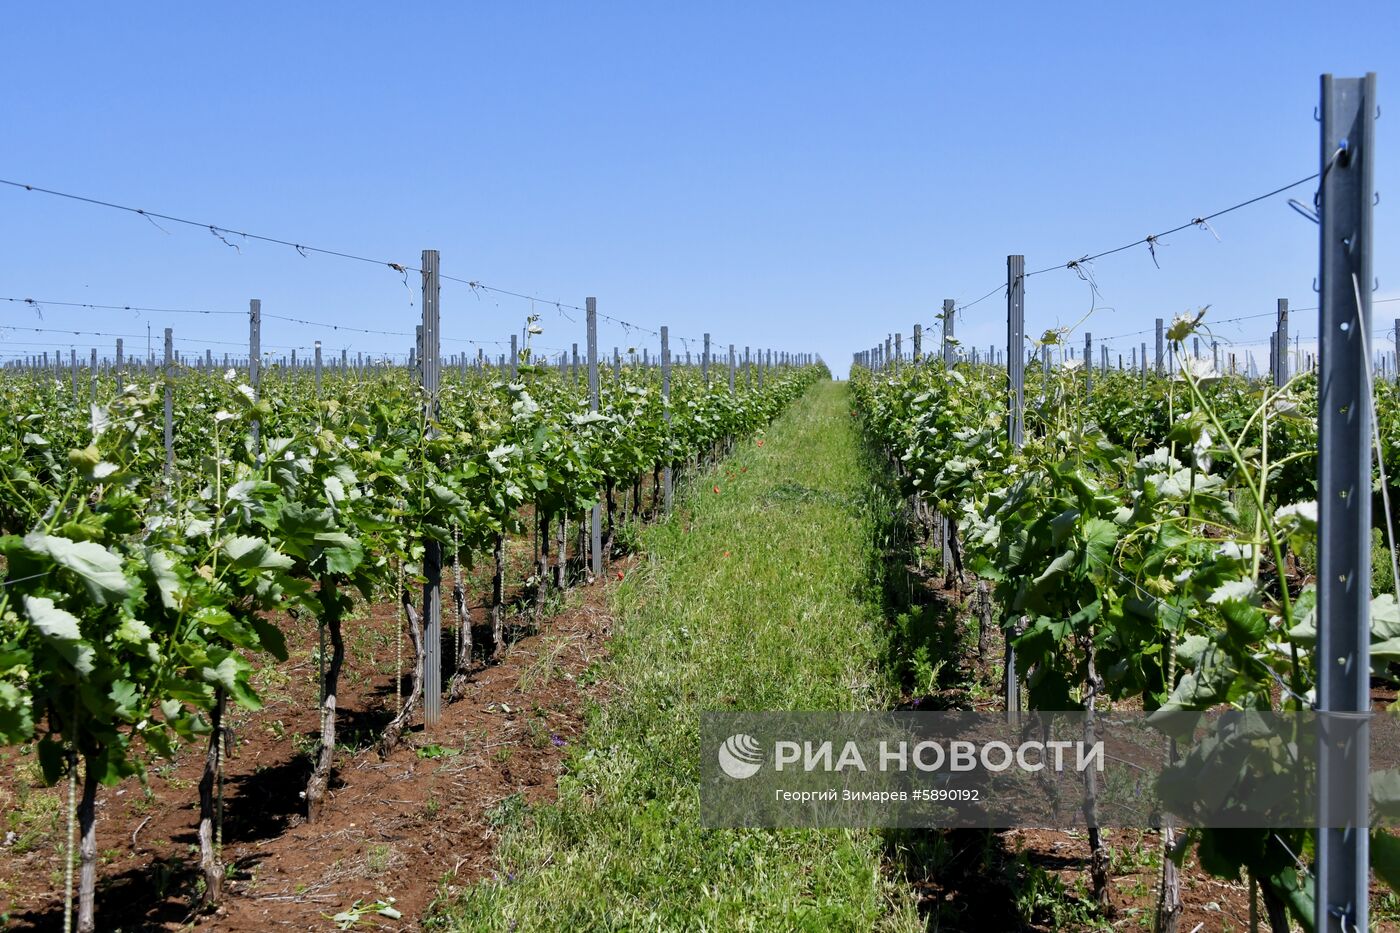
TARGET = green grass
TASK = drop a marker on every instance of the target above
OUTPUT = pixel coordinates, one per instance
(788, 620)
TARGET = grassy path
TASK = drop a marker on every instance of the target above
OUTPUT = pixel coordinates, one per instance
(753, 598)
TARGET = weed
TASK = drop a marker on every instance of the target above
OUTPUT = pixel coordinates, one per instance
(378, 858)
(506, 812)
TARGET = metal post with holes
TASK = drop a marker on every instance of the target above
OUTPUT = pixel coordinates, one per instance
(255, 365)
(898, 350)
(705, 363)
(1397, 350)
(1281, 376)
(1143, 353)
(666, 413)
(731, 369)
(595, 518)
(318, 369)
(169, 401)
(1344, 502)
(1015, 424)
(1161, 349)
(432, 550)
(514, 355)
(92, 376)
(1088, 364)
(918, 342)
(121, 363)
(948, 340)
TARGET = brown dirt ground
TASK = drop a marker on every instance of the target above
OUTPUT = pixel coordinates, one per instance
(404, 827)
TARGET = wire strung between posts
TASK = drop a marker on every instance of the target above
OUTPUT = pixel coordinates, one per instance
(216, 229)
(39, 304)
(1154, 239)
(98, 333)
(222, 232)
(1151, 240)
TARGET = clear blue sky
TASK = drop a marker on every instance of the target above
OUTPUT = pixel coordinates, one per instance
(793, 175)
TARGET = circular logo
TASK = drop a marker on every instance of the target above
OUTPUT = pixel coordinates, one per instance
(740, 756)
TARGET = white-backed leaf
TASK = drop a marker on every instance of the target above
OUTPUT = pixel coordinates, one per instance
(100, 569)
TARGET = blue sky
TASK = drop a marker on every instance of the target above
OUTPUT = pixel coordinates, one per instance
(788, 175)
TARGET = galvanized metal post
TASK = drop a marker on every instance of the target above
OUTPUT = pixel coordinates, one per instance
(898, 350)
(595, 519)
(318, 369)
(1015, 343)
(1015, 423)
(918, 342)
(514, 355)
(255, 367)
(92, 376)
(169, 401)
(1344, 502)
(121, 364)
(1397, 350)
(731, 369)
(574, 372)
(948, 340)
(705, 363)
(1281, 375)
(666, 413)
(1161, 349)
(1144, 362)
(1088, 364)
(432, 550)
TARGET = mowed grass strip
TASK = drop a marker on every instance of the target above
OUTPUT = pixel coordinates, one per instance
(753, 597)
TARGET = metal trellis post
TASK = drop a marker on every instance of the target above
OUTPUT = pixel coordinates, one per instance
(948, 341)
(666, 413)
(1016, 374)
(1344, 502)
(1161, 349)
(169, 401)
(595, 518)
(432, 549)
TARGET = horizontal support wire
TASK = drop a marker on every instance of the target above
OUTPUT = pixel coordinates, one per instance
(222, 232)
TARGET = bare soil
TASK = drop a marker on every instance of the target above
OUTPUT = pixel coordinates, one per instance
(406, 827)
